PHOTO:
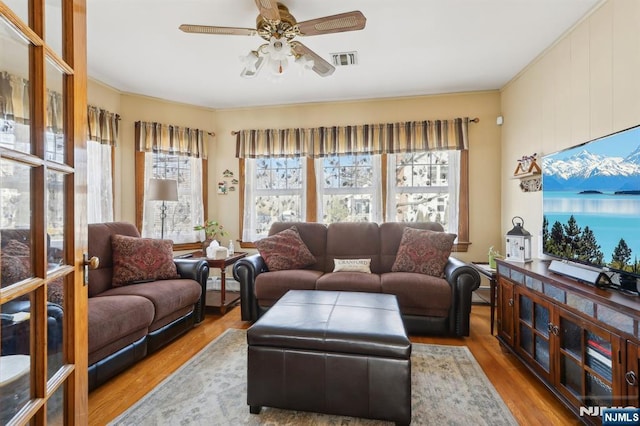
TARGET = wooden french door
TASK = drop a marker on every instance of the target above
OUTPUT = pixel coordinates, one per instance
(43, 299)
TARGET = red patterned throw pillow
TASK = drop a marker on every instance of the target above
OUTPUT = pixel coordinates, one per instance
(15, 263)
(285, 250)
(141, 259)
(423, 251)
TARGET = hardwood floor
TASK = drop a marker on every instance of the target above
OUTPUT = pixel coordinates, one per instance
(529, 401)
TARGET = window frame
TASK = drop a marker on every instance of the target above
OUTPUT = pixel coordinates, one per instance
(139, 191)
(462, 243)
(376, 196)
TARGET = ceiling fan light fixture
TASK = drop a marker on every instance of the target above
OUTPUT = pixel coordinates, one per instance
(278, 48)
(304, 62)
(253, 62)
(250, 61)
(278, 66)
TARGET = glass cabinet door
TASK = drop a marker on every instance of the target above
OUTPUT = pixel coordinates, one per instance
(533, 336)
(587, 365)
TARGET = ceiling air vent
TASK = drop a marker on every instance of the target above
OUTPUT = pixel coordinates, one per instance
(344, 59)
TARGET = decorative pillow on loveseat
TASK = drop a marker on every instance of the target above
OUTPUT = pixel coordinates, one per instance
(15, 262)
(285, 250)
(141, 259)
(423, 251)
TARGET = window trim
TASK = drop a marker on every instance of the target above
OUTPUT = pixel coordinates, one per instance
(139, 191)
(462, 243)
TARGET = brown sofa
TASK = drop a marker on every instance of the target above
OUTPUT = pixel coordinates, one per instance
(428, 304)
(127, 322)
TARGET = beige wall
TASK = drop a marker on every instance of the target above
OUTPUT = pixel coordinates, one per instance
(585, 86)
(484, 144)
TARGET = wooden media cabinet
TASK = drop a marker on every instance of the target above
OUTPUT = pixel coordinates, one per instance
(583, 342)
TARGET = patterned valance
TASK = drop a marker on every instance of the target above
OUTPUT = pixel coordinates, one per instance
(272, 143)
(156, 137)
(389, 138)
(103, 126)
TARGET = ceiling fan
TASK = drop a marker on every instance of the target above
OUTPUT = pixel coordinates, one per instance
(279, 28)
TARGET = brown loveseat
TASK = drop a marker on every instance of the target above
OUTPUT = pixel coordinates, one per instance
(129, 321)
(429, 304)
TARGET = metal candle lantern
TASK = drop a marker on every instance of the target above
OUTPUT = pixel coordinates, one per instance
(518, 242)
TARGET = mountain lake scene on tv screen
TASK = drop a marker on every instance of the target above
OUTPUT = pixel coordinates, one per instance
(591, 202)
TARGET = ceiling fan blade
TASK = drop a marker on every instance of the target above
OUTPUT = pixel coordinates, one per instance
(320, 66)
(269, 10)
(348, 21)
(209, 29)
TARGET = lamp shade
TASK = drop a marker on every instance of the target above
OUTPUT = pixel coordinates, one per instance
(163, 189)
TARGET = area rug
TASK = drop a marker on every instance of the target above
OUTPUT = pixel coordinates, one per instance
(448, 388)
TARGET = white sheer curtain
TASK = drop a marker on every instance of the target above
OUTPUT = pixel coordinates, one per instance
(453, 192)
(99, 183)
(250, 219)
(375, 191)
(182, 215)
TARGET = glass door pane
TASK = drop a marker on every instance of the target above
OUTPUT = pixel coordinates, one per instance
(598, 356)
(20, 8)
(571, 338)
(55, 219)
(54, 122)
(15, 371)
(15, 90)
(571, 375)
(53, 25)
(15, 222)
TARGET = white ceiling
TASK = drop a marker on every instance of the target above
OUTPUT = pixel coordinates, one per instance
(408, 47)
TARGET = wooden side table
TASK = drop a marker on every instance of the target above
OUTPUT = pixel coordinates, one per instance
(491, 274)
(221, 298)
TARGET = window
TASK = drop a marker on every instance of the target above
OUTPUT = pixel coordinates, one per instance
(348, 188)
(406, 171)
(423, 186)
(275, 192)
(188, 211)
(176, 153)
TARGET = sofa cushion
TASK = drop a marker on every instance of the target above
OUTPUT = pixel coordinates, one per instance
(167, 296)
(353, 240)
(285, 250)
(352, 265)
(423, 251)
(271, 286)
(349, 281)
(141, 259)
(418, 294)
(115, 322)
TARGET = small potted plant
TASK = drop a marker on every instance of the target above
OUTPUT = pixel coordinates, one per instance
(493, 255)
(212, 229)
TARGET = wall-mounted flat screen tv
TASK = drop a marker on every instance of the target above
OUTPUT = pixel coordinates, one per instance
(591, 205)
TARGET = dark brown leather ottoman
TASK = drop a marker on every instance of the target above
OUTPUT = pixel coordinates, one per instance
(331, 352)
